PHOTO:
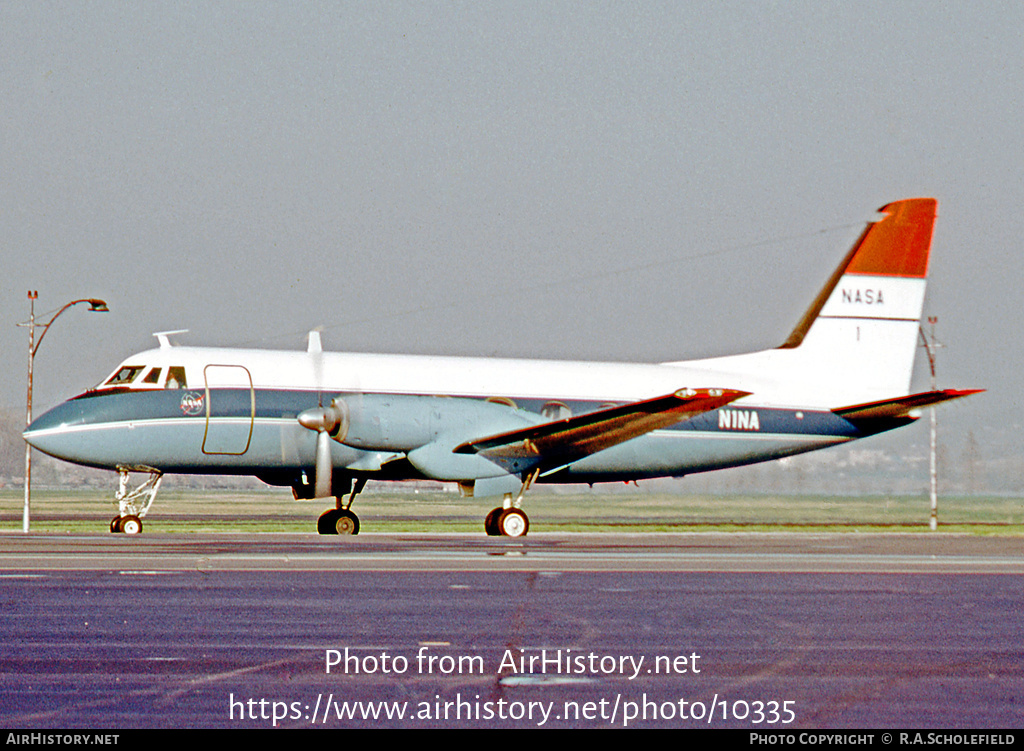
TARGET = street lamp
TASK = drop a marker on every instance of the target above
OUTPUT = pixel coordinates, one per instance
(930, 345)
(96, 306)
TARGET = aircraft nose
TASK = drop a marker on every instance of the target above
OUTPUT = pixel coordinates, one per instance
(54, 431)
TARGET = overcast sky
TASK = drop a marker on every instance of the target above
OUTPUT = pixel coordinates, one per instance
(627, 181)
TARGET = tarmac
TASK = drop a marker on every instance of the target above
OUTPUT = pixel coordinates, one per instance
(760, 631)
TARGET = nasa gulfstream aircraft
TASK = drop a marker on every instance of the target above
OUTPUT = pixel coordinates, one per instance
(324, 423)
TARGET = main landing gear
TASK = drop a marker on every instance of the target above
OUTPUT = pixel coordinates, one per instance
(134, 504)
(508, 522)
(509, 519)
(341, 520)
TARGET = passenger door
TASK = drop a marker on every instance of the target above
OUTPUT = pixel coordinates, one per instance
(230, 409)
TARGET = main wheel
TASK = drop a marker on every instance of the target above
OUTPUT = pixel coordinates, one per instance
(491, 522)
(347, 523)
(513, 522)
(115, 524)
(131, 525)
(325, 525)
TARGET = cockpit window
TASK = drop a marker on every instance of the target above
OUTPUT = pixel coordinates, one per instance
(153, 376)
(125, 375)
(176, 378)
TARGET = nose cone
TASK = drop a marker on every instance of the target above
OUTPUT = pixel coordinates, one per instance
(63, 432)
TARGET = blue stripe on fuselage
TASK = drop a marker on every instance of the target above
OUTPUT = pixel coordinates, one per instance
(99, 407)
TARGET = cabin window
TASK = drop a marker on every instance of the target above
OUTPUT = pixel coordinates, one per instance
(176, 378)
(556, 411)
(502, 400)
(153, 376)
(125, 375)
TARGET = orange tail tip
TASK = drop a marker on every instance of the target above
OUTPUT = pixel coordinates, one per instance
(898, 244)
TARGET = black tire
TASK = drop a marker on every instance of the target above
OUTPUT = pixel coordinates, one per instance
(514, 522)
(491, 522)
(325, 525)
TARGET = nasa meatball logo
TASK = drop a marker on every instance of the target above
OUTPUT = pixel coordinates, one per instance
(191, 403)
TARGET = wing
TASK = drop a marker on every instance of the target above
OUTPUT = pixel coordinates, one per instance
(901, 408)
(560, 442)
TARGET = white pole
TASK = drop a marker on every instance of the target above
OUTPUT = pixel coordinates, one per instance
(26, 512)
(930, 346)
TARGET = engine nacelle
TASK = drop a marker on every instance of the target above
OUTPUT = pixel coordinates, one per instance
(390, 422)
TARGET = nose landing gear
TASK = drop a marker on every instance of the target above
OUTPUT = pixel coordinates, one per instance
(134, 504)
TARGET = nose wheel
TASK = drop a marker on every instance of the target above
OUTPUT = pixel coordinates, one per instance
(130, 525)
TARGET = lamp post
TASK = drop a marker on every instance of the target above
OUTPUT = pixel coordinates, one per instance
(96, 306)
(930, 346)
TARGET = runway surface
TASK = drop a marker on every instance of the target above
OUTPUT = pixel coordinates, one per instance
(781, 552)
(759, 631)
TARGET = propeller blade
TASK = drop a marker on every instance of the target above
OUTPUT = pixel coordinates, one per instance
(324, 466)
(328, 422)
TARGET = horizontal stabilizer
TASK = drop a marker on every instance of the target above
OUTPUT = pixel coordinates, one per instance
(902, 407)
(562, 441)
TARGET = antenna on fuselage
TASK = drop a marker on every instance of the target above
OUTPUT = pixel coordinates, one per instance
(164, 337)
(316, 350)
(314, 342)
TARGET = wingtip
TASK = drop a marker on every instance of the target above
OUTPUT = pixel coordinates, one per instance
(965, 392)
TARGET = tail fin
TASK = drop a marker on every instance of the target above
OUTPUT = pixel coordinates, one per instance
(895, 247)
(857, 341)
(863, 326)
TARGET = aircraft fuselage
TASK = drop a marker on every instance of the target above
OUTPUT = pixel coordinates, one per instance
(236, 413)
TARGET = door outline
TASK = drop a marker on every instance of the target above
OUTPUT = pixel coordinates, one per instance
(252, 408)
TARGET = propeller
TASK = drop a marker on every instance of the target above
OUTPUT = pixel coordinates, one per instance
(328, 422)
